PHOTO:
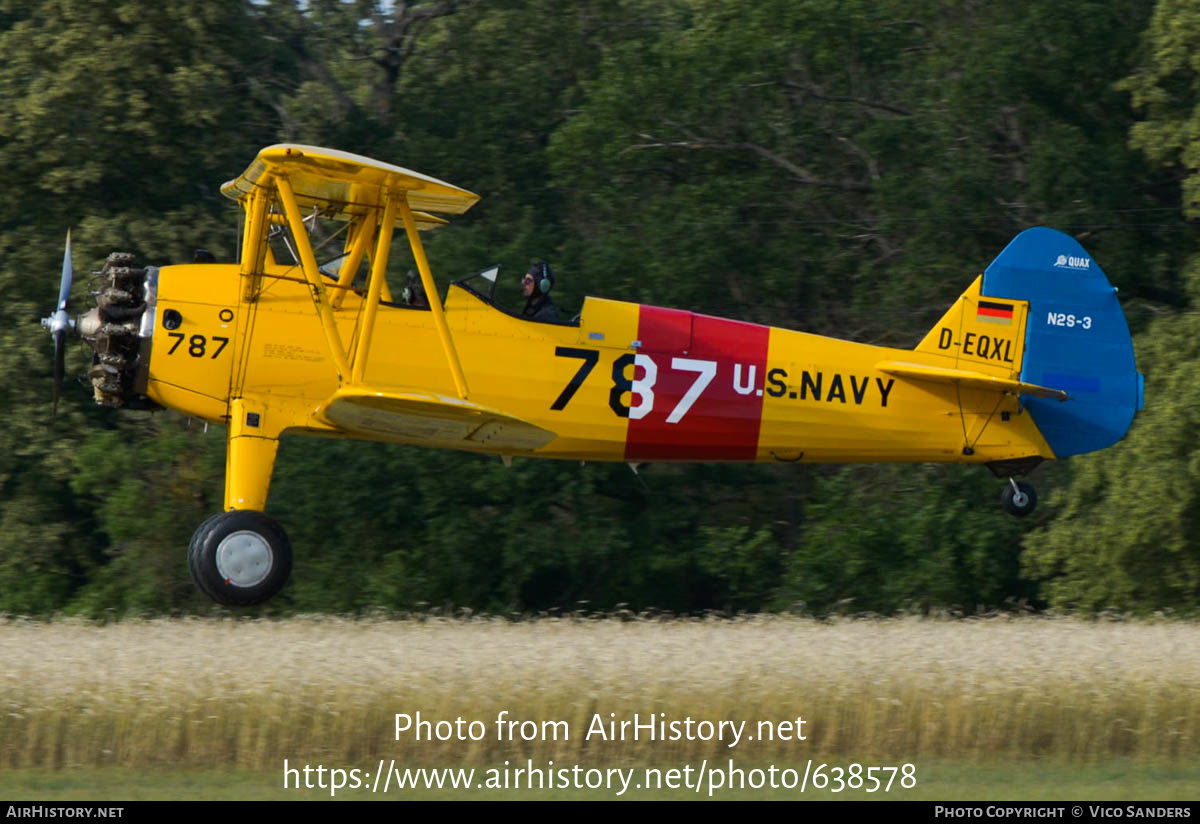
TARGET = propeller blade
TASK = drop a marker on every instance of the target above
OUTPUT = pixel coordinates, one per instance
(60, 357)
(64, 288)
(58, 324)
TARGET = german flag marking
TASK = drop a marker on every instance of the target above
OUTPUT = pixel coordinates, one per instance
(990, 312)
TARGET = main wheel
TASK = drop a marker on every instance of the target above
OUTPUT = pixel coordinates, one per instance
(240, 558)
(1018, 498)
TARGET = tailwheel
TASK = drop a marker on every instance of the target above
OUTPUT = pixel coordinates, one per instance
(240, 558)
(1018, 498)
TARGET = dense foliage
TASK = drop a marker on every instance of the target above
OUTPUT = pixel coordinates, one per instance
(842, 167)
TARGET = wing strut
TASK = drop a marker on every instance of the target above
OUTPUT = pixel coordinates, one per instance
(309, 263)
(435, 305)
(357, 248)
(383, 249)
(253, 246)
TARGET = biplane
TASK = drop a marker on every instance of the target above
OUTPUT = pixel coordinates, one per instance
(302, 335)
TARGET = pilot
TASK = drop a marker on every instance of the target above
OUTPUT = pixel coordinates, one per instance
(414, 291)
(536, 286)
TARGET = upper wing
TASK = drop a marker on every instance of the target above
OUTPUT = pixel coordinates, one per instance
(967, 377)
(341, 184)
(429, 419)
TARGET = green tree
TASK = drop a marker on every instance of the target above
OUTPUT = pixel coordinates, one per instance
(845, 167)
(1164, 85)
(147, 500)
(122, 118)
(1125, 536)
(897, 538)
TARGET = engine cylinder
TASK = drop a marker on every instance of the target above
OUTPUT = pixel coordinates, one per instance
(114, 330)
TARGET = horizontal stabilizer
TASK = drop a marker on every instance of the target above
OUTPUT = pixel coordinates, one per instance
(967, 377)
(430, 419)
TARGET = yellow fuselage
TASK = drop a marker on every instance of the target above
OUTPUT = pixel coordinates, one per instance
(627, 383)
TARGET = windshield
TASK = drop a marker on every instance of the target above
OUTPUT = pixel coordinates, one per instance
(483, 282)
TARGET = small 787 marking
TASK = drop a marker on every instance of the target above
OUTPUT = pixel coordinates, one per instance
(197, 344)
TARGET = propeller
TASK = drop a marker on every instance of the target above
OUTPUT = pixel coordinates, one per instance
(60, 323)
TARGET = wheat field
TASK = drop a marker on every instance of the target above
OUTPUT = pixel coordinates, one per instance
(250, 693)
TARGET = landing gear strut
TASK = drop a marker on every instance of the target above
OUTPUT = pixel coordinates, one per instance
(240, 558)
(1018, 498)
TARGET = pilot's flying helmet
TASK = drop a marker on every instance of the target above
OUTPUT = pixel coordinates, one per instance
(543, 276)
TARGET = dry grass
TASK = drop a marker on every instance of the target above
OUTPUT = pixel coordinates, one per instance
(251, 693)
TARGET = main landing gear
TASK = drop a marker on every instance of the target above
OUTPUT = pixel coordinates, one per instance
(240, 558)
(1018, 498)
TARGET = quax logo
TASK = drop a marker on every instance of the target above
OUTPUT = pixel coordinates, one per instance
(1073, 262)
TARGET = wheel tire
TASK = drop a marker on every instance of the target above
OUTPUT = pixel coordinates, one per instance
(240, 558)
(193, 553)
(1020, 501)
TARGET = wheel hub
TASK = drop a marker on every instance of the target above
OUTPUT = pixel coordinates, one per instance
(244, 558)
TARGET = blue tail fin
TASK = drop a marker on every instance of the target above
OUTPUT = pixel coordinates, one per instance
(1076, 339)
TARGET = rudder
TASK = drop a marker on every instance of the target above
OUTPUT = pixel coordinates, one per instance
(1076, 339)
